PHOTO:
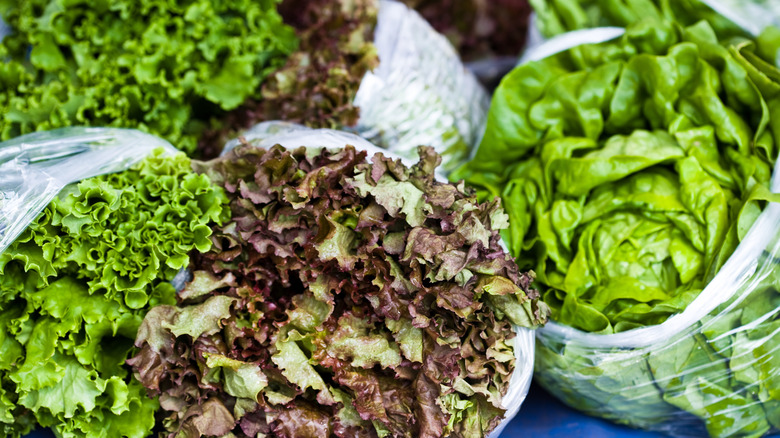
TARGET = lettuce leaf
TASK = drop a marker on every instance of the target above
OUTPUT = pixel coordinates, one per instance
(630, 170)
(317, 84)
(362, 298)
(74, 289)
(161, 67)
(559, 16)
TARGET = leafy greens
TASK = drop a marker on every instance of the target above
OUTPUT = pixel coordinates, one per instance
(74, 289)
(163, 67)
(555, 17)
(345, 298)
(631, 170)
(718, 377)
(318, 83)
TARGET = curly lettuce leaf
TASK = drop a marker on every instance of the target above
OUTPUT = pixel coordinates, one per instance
(76, 286)
(164, 68)
(364, 294)
(317, 84)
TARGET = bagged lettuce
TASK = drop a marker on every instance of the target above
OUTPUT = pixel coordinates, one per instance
(167, 68)
(347, 297)
(727, 17)
(373, 67)
(633, 172)
(77, 278)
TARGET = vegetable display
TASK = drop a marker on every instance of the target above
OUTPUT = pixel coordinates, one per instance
(718, 376)
(318, 83)
(345, 298)
(374, 67)
(631, 170)
(76, 286)
(167, 68)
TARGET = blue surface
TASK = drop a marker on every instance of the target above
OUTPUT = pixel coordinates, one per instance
(542, 416)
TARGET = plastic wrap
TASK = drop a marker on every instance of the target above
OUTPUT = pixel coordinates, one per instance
(751, 15)
(291, 135)
(728, 17)
(712, 369)
(35, 167)
(421, 94)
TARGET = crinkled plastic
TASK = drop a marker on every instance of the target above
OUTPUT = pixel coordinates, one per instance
(421, 93)
(290, 135)
(751, 15)
(712, 369)
(35, 167)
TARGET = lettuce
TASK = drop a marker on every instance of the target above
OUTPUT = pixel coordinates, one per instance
(631, 170)
(74, 289)
(345, 298)
(558, 16)
(163, 67)
(318, 83)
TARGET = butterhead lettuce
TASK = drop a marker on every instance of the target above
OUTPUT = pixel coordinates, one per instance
(631, 170)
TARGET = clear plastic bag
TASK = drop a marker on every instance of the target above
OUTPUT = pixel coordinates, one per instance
(751, 15)
(712, 369)
(290, 135)
(35, 167)
(421, 93)
(715, 368)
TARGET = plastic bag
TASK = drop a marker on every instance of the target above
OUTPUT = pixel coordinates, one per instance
(35, 167)
(751, 15)
(290, 135)
(712, 369)
(421, 93)
(728, 17)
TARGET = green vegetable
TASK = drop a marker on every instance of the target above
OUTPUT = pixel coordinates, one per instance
(346, 298)
(74, 289)
(317, 85)
(558, 16)
(163, 67)
(723, 370)
(631, 170)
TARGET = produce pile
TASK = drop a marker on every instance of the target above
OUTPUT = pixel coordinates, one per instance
(344, 298)
(296, 285)
(76, 285)
(631, 170)
(167, 68)
(318, 83)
